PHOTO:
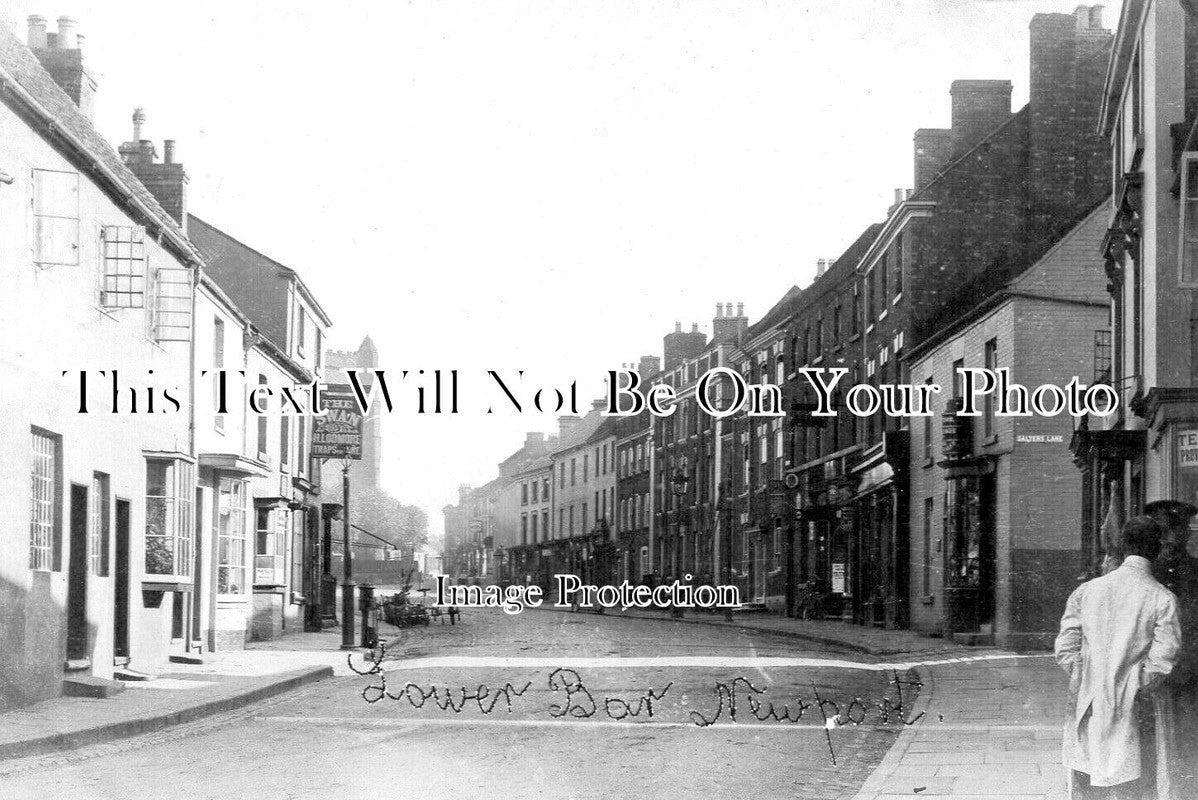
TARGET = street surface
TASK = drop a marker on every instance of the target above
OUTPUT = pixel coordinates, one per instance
(541, 704)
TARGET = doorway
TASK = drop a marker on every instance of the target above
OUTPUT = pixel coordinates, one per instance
(197, 571)
(987, 556)
(78, 645)
(759, 570)
(120, 607)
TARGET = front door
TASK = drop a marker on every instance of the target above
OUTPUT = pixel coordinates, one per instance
(120, 607)
(759, 570)
(197, 570)
(77, 635)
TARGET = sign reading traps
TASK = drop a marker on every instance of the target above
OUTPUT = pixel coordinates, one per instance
(338, 434)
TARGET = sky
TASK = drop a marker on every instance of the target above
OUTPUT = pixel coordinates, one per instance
(543, 187)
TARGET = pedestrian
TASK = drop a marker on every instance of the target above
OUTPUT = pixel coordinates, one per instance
(454, 613)
(1177, 571)
(1119, 639)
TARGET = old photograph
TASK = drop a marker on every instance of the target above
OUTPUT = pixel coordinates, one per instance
(599, 399)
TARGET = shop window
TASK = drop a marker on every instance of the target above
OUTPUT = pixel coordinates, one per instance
(297, 550)
(231, 521)
(1187, 275)
(170, 489)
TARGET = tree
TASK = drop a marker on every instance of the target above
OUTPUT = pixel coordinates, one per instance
(385, 516)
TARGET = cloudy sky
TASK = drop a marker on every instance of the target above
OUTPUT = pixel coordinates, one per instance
(538, 186)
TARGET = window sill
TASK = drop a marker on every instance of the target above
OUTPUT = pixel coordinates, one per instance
(991, 441)
(897, 297)
(106, 312)
(819, 360)
(882, 316)
(929, 462)
(869, 328)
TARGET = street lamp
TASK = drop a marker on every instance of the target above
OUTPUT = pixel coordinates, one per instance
(679, 483)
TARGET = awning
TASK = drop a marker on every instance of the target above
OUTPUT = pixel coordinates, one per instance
(234, 464)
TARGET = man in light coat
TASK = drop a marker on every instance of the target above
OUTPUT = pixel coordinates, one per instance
(1119, 639)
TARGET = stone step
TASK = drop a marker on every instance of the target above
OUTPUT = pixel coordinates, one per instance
(127, 674)
(91, 686)
(186, 658)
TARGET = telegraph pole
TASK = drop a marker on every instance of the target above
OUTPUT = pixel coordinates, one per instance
(348, 587)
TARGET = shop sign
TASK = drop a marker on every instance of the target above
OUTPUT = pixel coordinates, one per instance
(838, 578)
(338, 434)
(1040, 438)
(1187, 449)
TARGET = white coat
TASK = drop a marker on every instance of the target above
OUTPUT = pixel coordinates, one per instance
(1119, 635)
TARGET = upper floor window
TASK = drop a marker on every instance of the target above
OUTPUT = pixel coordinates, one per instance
(883, 281)
(124, 282)
(301, 329)
(524, 494)
(263, 430)
(1187, 274)
(55, 204)
(856, 310)
(870, 287)
(898, 265)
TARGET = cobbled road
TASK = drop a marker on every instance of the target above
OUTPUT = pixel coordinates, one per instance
(540, 704)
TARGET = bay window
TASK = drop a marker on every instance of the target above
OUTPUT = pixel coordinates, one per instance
(170, 486)
(231, 510)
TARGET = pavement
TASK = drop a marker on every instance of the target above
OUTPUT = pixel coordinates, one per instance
(990, 721)
(987, 722)
(180, 693)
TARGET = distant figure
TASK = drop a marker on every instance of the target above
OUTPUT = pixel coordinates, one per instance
(454, 613)
(1119, 639)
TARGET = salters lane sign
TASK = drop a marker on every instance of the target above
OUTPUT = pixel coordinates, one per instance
(338, 434)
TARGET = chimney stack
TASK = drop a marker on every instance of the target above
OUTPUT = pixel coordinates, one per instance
(933, 151)
(37, 32)
(729, 328)
(648, 367)
(565, 424)
(66, 35)
(679, 346)
(719, 309)
(60, 56)
(1069, 163)
(167, 181)
(979, 106)
(821, 267)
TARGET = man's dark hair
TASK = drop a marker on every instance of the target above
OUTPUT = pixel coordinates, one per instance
(1142, 537)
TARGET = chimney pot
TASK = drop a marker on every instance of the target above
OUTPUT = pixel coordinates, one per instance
(909, 193)
(898, 196)
(37, 32)
(677, 326)
(719, 309)
(139, 121)
(168, 151)
(740, 309)
(66, 34)
(1096, 17)
(694, 327)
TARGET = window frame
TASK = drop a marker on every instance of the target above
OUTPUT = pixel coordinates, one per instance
(1188, 215)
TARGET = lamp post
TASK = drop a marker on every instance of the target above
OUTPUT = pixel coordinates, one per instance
(679, 483)
(347, 584)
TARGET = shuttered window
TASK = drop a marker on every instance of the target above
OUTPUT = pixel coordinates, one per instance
(55, 206)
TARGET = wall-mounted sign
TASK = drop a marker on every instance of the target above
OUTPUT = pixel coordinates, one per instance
(1040, 438)
(338, 434)
(838, 578)
(1187, 449)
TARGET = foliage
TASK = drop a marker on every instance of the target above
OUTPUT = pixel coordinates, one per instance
(383, 515)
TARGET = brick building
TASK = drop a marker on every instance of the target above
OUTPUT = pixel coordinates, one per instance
(634, 467)
(994, 501)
